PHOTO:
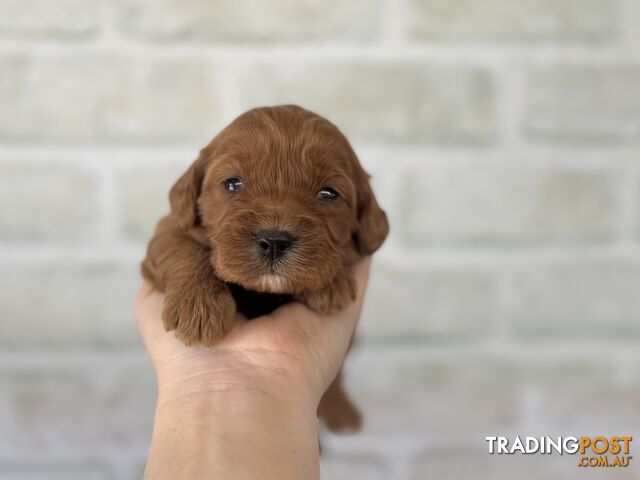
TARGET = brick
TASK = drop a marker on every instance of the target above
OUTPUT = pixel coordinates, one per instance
(106, 97)
(629, 14)
(143, 197)
(590, 410)
(420, 303)
(496, 203)
(50, 194)
(436, 411)
(396, 400)
(458, 368)
(54, 410)
(247, 20)
(582, 297)
(459, 392)
(43, 17)
(393, 102)
(514, 20)
(587, 103)
(36, 470)
(68, 305)
(347, 466)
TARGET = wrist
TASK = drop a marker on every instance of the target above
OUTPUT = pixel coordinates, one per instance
(261, 426)
(206, 374)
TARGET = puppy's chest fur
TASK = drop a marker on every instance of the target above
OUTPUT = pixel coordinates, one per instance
(253, 304)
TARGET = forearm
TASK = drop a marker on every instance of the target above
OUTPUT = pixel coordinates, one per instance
(233, 433)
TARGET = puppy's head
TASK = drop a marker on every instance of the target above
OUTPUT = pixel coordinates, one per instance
(282, 199)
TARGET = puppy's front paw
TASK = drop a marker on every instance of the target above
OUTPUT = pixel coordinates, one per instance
(335, 296)
(199, 312)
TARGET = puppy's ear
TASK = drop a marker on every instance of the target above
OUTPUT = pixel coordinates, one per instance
(183, 196)
(373, 226)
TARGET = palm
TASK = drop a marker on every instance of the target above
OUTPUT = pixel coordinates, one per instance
(292, 340)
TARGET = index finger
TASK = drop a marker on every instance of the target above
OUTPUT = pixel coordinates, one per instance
(361, 275)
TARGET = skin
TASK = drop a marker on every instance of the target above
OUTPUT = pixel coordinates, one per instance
(244, 408)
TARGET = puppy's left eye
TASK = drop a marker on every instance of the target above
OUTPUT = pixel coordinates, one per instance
(328, 193)
(233, 184)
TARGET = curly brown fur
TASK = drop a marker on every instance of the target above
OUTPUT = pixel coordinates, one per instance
(284, 156)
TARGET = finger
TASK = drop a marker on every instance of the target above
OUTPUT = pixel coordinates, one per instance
(350, 316)
(148, 311)
(361, 274)
(333, 333)
(145, 290)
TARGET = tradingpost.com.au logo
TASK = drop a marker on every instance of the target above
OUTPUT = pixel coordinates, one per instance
(597, 451)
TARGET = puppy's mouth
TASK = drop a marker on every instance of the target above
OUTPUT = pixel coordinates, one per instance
(272, 283)
(269, 277)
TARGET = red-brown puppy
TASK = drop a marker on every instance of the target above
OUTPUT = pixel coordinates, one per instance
(277, 203)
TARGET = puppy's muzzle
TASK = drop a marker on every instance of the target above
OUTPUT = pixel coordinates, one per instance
(273, 244)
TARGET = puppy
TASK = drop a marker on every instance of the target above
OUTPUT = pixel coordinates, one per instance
(275, 208)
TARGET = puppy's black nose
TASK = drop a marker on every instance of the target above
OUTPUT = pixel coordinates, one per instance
(273, 243)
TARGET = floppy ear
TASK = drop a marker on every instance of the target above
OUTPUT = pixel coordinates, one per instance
(373, 226)
(183, 196)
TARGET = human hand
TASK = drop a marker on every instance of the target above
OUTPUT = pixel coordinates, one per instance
(293, 351)
(245, 406)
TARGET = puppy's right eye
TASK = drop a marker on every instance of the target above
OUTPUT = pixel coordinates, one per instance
(233, 184)
(328, 193)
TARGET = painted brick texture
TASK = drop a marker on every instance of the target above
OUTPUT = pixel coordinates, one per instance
(503, 139)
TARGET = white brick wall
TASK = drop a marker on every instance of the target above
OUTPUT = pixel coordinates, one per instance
(514, 20)
(504, 141)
